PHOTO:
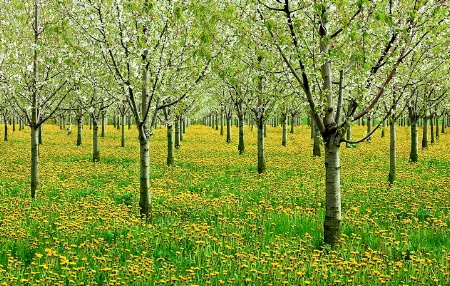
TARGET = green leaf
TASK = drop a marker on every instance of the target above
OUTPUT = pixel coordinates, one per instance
(354, 36)
(205, 38)
(178, 13)
(149, 6)
(270, 24)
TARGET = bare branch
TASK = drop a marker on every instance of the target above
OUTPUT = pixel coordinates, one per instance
(55, 109)
(271, 8)
(346, 25)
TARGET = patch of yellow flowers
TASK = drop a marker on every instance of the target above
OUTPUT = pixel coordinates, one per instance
(215, 221)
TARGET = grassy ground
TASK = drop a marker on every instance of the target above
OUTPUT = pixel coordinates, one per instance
(215, 220)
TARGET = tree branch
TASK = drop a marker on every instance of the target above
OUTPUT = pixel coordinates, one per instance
(41, 121)
(346, 25)
(337, 117)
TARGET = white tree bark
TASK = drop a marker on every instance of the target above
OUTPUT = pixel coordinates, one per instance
(34, 161)
(332, 223)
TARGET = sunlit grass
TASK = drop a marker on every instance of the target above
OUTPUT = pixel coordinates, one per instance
(215, 220)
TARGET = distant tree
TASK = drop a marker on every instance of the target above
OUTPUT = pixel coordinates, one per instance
(415, 72)
(123, 108)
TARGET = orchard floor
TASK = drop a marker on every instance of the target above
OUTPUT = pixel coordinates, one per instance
(215, 220)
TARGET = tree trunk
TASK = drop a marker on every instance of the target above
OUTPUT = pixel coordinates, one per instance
(443, 125)
(221, 122)
(241, 146)
(103, 125)
(145, 204)
(261, 155)
(177, 133)
(437, 127)
(425, 133)
(5, 138)
(34, 160)
(216, 119)
(432, 129)
(5, 119)
(79, 130)
(284, 125)
(95, 147)
(228, 129)
(181, 128)
(383, 128)
(413, 155)
(69, 129)
(332, 224)
(316, 139)
(34, 182)
(348, 135)
(292, 124)
(265, 129)
(392, 152)
(369, 128)
(40, 134)
(183, 125)
(123, 130)
(331, 138)
(169, 145)
(14, 124)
